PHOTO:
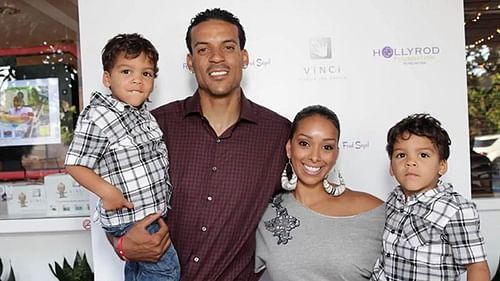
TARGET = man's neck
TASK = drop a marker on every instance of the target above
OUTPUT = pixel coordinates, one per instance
(221, 112)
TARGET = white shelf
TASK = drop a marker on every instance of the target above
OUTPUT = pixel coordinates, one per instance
(44, 225)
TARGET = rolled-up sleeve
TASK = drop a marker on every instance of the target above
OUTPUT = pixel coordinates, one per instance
(87, 146)
(464, 236)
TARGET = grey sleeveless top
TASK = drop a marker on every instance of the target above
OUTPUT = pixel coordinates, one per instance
(296, 243)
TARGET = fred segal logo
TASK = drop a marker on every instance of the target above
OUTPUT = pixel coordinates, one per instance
(321, 66)
(408, 55)
(320, 48)
(258, 62)
(355, 144)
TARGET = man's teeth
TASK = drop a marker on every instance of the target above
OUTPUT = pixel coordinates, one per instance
(218, 73)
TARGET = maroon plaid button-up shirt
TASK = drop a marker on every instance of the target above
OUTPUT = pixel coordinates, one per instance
(221, 185)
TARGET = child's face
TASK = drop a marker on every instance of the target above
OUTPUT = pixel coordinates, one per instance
(131, 80)
(416, 164)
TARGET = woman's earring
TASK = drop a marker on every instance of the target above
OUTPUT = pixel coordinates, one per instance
(334, 183)
(288, 184)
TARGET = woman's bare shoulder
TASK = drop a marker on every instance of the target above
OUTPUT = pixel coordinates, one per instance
(365, 201)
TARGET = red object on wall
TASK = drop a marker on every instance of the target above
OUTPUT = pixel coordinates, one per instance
(40, 50)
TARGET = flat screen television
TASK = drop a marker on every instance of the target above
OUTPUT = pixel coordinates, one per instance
(29, 112)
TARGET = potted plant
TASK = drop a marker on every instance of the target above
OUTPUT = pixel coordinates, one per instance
(80, 271)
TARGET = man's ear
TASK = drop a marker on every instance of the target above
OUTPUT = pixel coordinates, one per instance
(246, 59)
(189, 62)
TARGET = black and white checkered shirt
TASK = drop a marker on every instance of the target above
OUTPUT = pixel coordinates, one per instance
(124, 146)
(430, 236)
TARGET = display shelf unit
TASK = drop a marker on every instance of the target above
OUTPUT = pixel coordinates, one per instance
(8, 226)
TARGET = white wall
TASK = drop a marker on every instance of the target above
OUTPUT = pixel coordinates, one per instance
(30, 253)
(389, 58)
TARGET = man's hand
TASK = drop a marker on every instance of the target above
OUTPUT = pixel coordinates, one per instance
(139, 245)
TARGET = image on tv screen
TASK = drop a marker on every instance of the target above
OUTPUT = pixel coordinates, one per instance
(29, 112)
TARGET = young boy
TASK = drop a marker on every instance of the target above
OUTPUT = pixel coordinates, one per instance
(118, 153)
(431, 232)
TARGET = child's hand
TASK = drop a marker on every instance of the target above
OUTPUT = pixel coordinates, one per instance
(114, 199)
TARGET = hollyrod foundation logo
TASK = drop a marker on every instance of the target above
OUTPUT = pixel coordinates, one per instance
(321, 66)
(408, 55)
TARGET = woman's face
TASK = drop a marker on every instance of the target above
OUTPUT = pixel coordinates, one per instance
(313, 150)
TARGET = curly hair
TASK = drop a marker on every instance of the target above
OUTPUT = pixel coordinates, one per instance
(423, 125)
(133, 45)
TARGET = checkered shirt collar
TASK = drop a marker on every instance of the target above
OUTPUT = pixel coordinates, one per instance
(422, 198)
(108, 101)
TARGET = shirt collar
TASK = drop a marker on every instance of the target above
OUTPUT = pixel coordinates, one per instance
(108, 101)
(425, 197)
(248, 112)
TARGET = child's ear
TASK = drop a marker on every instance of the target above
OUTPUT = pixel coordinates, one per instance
(443, 167)
(106, 79)
(390, 170)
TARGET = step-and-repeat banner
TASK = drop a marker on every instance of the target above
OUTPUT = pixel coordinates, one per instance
(372, 62)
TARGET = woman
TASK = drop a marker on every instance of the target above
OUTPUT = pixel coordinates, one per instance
(319, 230)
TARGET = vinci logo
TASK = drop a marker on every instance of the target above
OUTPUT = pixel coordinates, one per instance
(320, 48)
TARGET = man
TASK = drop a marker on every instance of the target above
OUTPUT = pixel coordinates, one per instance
(226, 154)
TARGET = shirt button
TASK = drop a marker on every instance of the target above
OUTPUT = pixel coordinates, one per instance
(392, 231)
(209, 198)
(388, 255)
(196, 259)
(218, 141)
(203, 228)
(214, 168)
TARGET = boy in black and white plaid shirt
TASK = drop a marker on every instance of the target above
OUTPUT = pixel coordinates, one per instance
(118, 151)
(431, 232)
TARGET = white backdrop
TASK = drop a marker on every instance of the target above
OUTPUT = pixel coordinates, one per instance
(372, 62)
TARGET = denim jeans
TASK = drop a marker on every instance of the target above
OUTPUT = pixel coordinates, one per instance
(167, 268)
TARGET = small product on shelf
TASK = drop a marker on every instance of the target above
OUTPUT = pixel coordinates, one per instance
(58, 196)
(65, 197)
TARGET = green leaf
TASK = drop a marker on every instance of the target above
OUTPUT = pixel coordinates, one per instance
(78, 260)
(80, 271)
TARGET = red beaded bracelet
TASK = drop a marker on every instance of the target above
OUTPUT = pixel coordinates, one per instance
(119, 248)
